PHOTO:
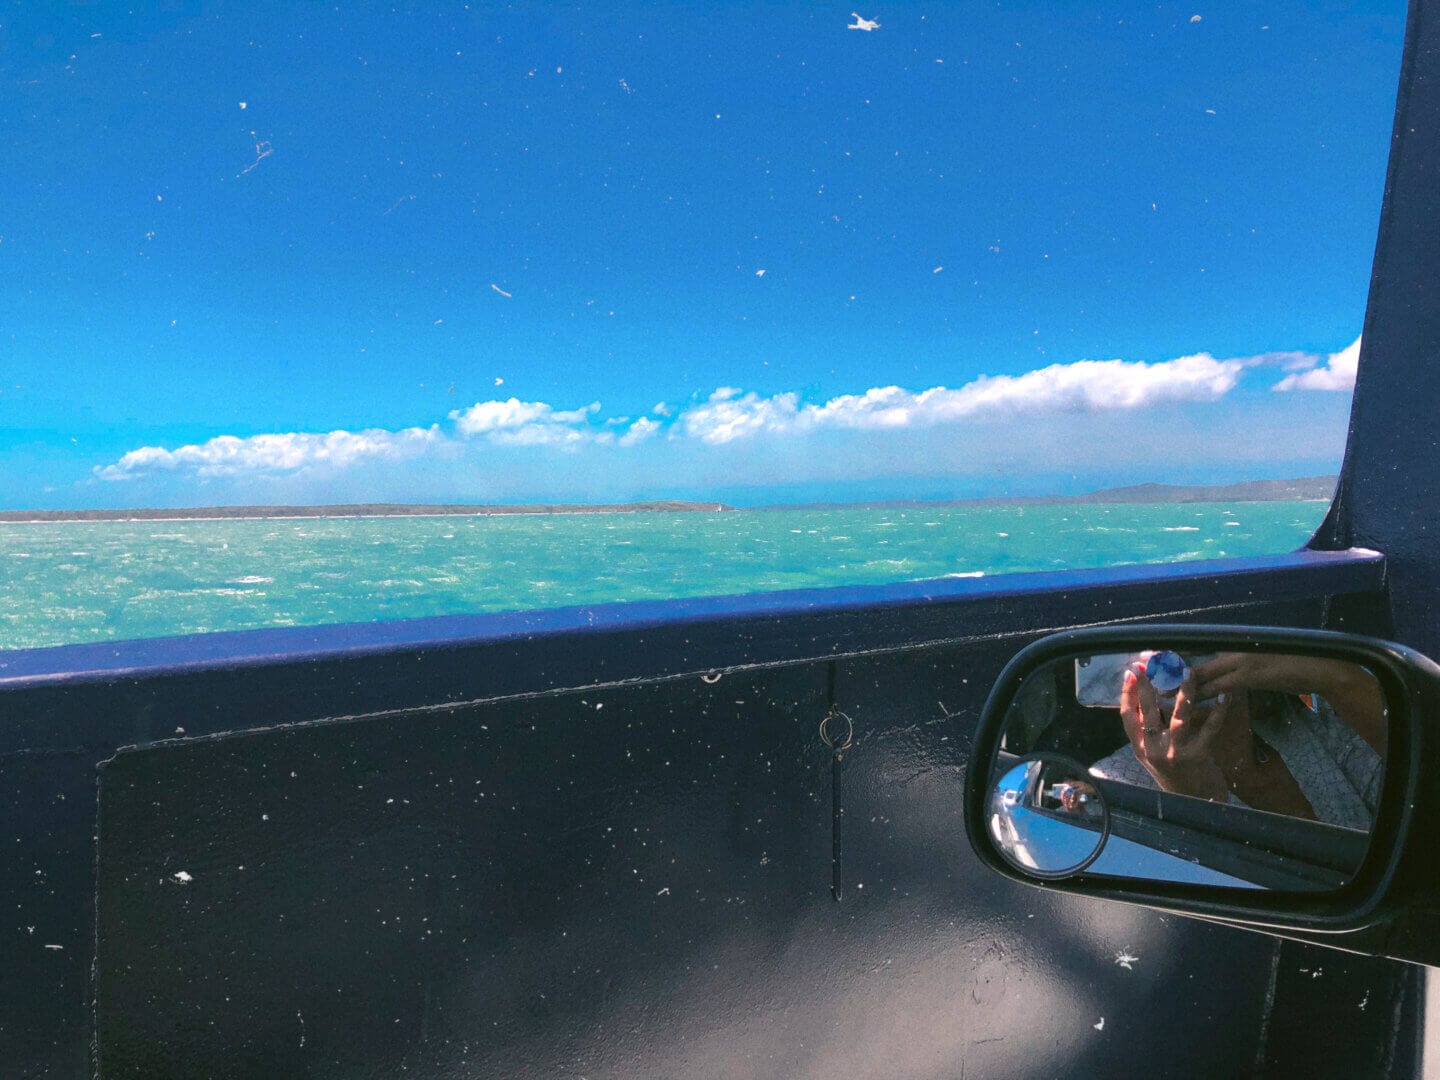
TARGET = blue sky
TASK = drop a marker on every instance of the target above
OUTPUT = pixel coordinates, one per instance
(447, 252)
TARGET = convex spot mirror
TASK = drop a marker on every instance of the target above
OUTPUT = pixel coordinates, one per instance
(1253, 774)
(1045, 818)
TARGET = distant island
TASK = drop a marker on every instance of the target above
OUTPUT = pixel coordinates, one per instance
(1303, 489)
(1310, 488)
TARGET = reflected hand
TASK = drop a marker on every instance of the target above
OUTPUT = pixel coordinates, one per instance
(1349, 689)
(1178, 752)
(1228, 673)
(1075, 795)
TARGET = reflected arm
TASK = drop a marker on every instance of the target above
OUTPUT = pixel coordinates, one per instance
(1350, 690)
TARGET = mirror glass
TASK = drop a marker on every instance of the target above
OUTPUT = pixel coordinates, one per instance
(1046, 818)
(1256, 770)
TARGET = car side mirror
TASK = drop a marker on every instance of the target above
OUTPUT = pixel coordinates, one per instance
(1257, 776)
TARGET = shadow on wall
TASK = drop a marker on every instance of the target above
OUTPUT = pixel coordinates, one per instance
(631, 882)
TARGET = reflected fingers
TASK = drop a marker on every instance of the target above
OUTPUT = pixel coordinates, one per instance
(1152, 720)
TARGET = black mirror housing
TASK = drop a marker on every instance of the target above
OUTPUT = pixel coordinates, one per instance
(1327, 881)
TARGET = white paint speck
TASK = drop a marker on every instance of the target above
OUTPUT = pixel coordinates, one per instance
(499, 290)
(182, 877)
(57, 948)
(664, 892)
(1365, 1000)
(862, 23)
(1124, 959)
(1100, 1026)
(1194, 18)
(759, 273)
(242, 104)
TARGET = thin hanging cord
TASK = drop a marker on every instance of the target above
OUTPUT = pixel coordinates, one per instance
(839, 739)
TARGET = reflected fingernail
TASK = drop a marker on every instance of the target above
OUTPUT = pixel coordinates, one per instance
(1129, 677)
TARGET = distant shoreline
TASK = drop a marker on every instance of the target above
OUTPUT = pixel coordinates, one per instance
(1304, 489)
(354, 510)
(1301, 489)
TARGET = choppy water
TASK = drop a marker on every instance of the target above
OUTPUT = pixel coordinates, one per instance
(86, 581)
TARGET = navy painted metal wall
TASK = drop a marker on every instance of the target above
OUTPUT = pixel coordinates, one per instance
(557, 844)
(515, 846)
(1390, 485)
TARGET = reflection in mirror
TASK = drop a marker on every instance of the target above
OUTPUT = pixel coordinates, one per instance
(1046, 818)
(1247, 769)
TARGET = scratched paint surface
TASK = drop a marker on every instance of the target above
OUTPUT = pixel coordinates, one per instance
(631, 883)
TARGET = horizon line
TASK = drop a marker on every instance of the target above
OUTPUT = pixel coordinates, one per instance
(1296, 489)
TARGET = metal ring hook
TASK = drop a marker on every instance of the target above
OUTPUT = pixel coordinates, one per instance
(825, 737)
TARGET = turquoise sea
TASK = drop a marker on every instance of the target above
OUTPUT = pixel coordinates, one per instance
(66, 582)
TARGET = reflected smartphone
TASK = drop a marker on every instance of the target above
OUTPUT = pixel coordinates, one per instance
(1098, 679)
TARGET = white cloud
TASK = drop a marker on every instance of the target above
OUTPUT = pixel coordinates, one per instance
(486, 416)
(527, 423)
(880, 407)
(1085, 386)
(1092, 385)
(1290, 361)
(511, 428)
(729, 415)
(1338, 372)
(229, 455)
(502, 423)
(642, 429)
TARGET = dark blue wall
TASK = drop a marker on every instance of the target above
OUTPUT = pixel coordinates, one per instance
(1390, 486)
(511, 846)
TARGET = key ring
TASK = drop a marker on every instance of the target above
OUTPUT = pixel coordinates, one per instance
(836, 744)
